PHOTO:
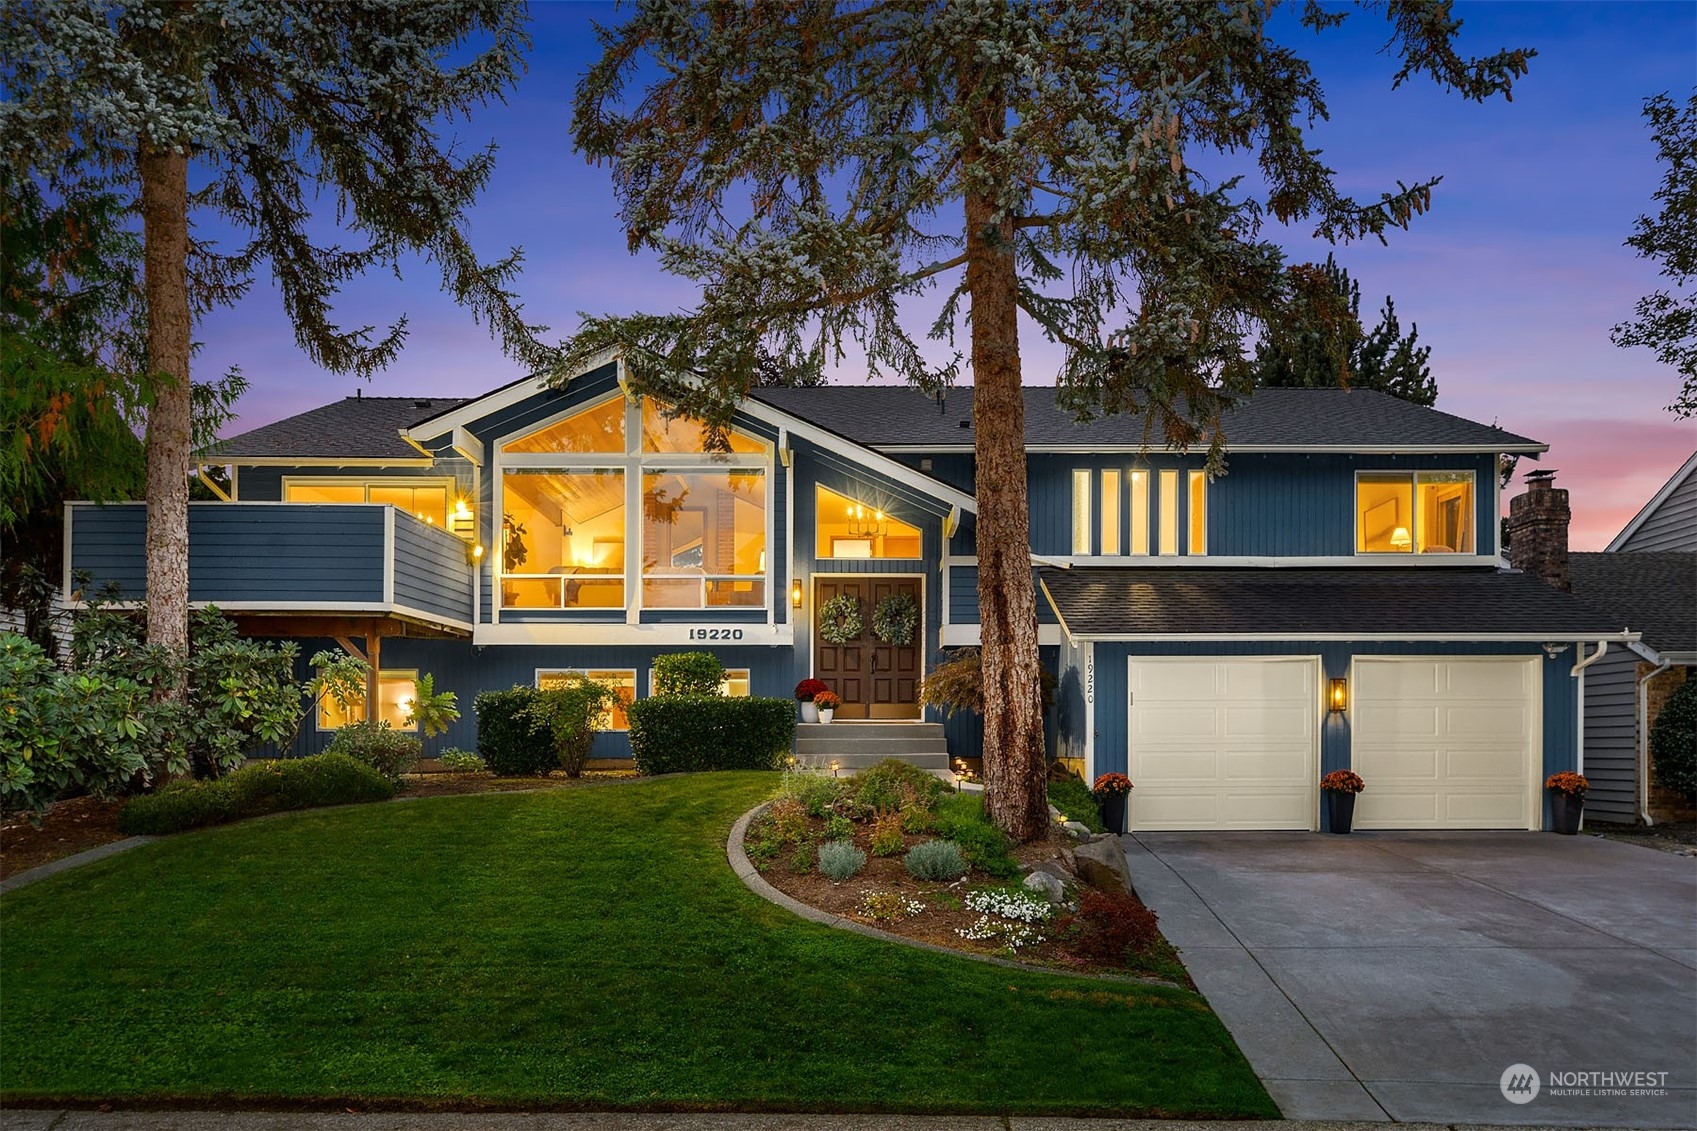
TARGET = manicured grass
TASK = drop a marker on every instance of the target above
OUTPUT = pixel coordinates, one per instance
(584, 947)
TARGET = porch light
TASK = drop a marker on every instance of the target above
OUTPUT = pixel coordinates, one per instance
(795, 594)
(460, 521)
(1337, 695)
(474, 555)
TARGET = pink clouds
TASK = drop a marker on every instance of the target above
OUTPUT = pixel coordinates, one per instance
(1609, 467)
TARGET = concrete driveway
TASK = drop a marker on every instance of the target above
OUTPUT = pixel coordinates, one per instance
(1399, 975)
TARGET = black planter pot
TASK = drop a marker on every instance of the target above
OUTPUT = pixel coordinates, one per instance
(1565, 811)
(1340, 811)
(1112, 808)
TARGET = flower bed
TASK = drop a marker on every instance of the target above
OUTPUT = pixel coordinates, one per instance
(887, 812)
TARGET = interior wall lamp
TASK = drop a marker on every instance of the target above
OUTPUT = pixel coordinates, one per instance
(1337, 695)
(795, 594)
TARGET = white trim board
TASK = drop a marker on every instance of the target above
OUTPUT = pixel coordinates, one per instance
(757, 634)
(1238, 449)
(970, 635)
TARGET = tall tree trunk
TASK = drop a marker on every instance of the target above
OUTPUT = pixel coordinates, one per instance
(165, 227)
(1015, 786)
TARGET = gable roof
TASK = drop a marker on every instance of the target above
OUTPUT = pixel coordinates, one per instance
(1655, 504)
(357, 428)
(902, 417)
(1654, 592)
(1381, 603)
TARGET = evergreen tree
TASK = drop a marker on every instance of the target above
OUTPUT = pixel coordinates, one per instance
(276, 104)
(810, 165)
(1334, 350)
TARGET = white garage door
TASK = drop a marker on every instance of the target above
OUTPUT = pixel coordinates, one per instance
(1224, 743)
(1444, 742)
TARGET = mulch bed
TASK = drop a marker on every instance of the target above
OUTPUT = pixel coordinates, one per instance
(81, 823)
(1678, 837)
(945, 910)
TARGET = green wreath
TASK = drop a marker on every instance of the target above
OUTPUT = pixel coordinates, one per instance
(895, 619)
(839, 620)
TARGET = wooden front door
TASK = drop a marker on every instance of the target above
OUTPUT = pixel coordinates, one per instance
(876, 680)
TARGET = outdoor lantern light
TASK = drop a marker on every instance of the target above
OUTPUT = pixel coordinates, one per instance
(474, 555)
(1337, 698)
(795, 594)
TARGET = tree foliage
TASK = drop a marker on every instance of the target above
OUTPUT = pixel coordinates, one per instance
(1333, 348)
(811, 167)
(1666, 320)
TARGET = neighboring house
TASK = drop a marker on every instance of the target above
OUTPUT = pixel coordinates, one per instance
(1647, 579)
(1199, 627)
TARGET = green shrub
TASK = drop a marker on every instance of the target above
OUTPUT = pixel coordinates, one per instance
(960, 818)
(816, 792)
(839, 859)
(672, 734)
(386, 750)
(264, 787)
(838, 827)
(1073, 798)
(880, 786)
(512, 743)
(1673, 740)
(935, 860)
(461, 761)
(887, 835)
(567, 716)
(688, 673)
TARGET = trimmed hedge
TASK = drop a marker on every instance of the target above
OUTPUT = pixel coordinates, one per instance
(1673, 741)
(386, 750)
(509, 738)
(674, 733)
(264, 787)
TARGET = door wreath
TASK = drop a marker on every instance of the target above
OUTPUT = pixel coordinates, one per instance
(839, 620)
(895, 619)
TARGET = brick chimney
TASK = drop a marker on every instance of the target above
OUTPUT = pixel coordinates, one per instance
(1537, 530)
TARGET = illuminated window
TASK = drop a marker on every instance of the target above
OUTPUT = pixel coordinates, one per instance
(427, 500)
(622, 681)
(1080, 511)
(1110, 512)
(395, 690)
(1428, 512)
(849, 528)
(1139, 483)
(562, 541)
(1198, 513)
(600, 428)
(733, 686)
(1169, 512)
(662, 433)
(703, 539)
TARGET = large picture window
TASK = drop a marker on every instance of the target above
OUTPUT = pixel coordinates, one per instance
(848, 528)
(615, 716)
(619, 504)
(426, 500)
(1425, 512)
(395, 691)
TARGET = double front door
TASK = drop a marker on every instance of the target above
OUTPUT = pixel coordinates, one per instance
(876, 679)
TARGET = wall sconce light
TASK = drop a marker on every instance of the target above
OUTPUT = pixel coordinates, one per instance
(1553, 649)
(795, 594)
(474, 555)
(461, 521)
(1337, 695)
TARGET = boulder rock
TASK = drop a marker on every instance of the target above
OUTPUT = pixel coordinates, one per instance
(1101, 864)
(1049, 885)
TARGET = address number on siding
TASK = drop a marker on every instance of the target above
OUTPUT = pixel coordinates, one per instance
(715, 634)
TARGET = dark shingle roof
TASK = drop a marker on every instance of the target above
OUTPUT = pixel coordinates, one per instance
(1654, 593)
(351, 428)
(1372, 603)
(898, 415)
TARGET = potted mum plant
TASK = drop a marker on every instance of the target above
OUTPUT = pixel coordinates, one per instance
(1567, 800)
(1340, 788)
(804, 693)
(1111, 792)
(826, 703)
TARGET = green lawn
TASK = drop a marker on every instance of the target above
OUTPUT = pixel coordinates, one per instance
(581, 947)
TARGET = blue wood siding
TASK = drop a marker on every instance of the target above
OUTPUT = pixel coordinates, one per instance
(321, 552)
(964, 730)
(430, 569)
(1560, 691)
(459, 667)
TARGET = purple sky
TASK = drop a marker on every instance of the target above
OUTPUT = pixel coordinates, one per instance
(1514, 277)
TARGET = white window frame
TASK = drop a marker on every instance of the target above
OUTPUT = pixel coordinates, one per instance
(1167, 540)
(588, 673)
(449, 485)
(1138, 532)
(1413, 553)
(1111, 479)
(889, 513)
(408, 674)
(1193, 547)
(1083, 490)
(730, 673)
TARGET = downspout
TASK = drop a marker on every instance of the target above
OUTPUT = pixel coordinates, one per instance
(1643, 790)
(1578, 673)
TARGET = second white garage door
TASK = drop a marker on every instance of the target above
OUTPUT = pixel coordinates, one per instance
(1444, 742)
(1224, 743)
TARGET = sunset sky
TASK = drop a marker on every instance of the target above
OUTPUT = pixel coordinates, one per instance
(1514, 277)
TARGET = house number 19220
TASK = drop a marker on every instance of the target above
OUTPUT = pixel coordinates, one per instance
(715, 634)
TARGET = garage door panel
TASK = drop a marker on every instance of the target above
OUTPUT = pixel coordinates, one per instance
(1223, 744)
(1457, 756)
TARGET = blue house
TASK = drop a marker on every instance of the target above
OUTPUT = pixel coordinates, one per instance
(1337, 600)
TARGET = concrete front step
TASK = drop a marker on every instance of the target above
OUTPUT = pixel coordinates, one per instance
(843, 728)
(856, 745)
(848, 763)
